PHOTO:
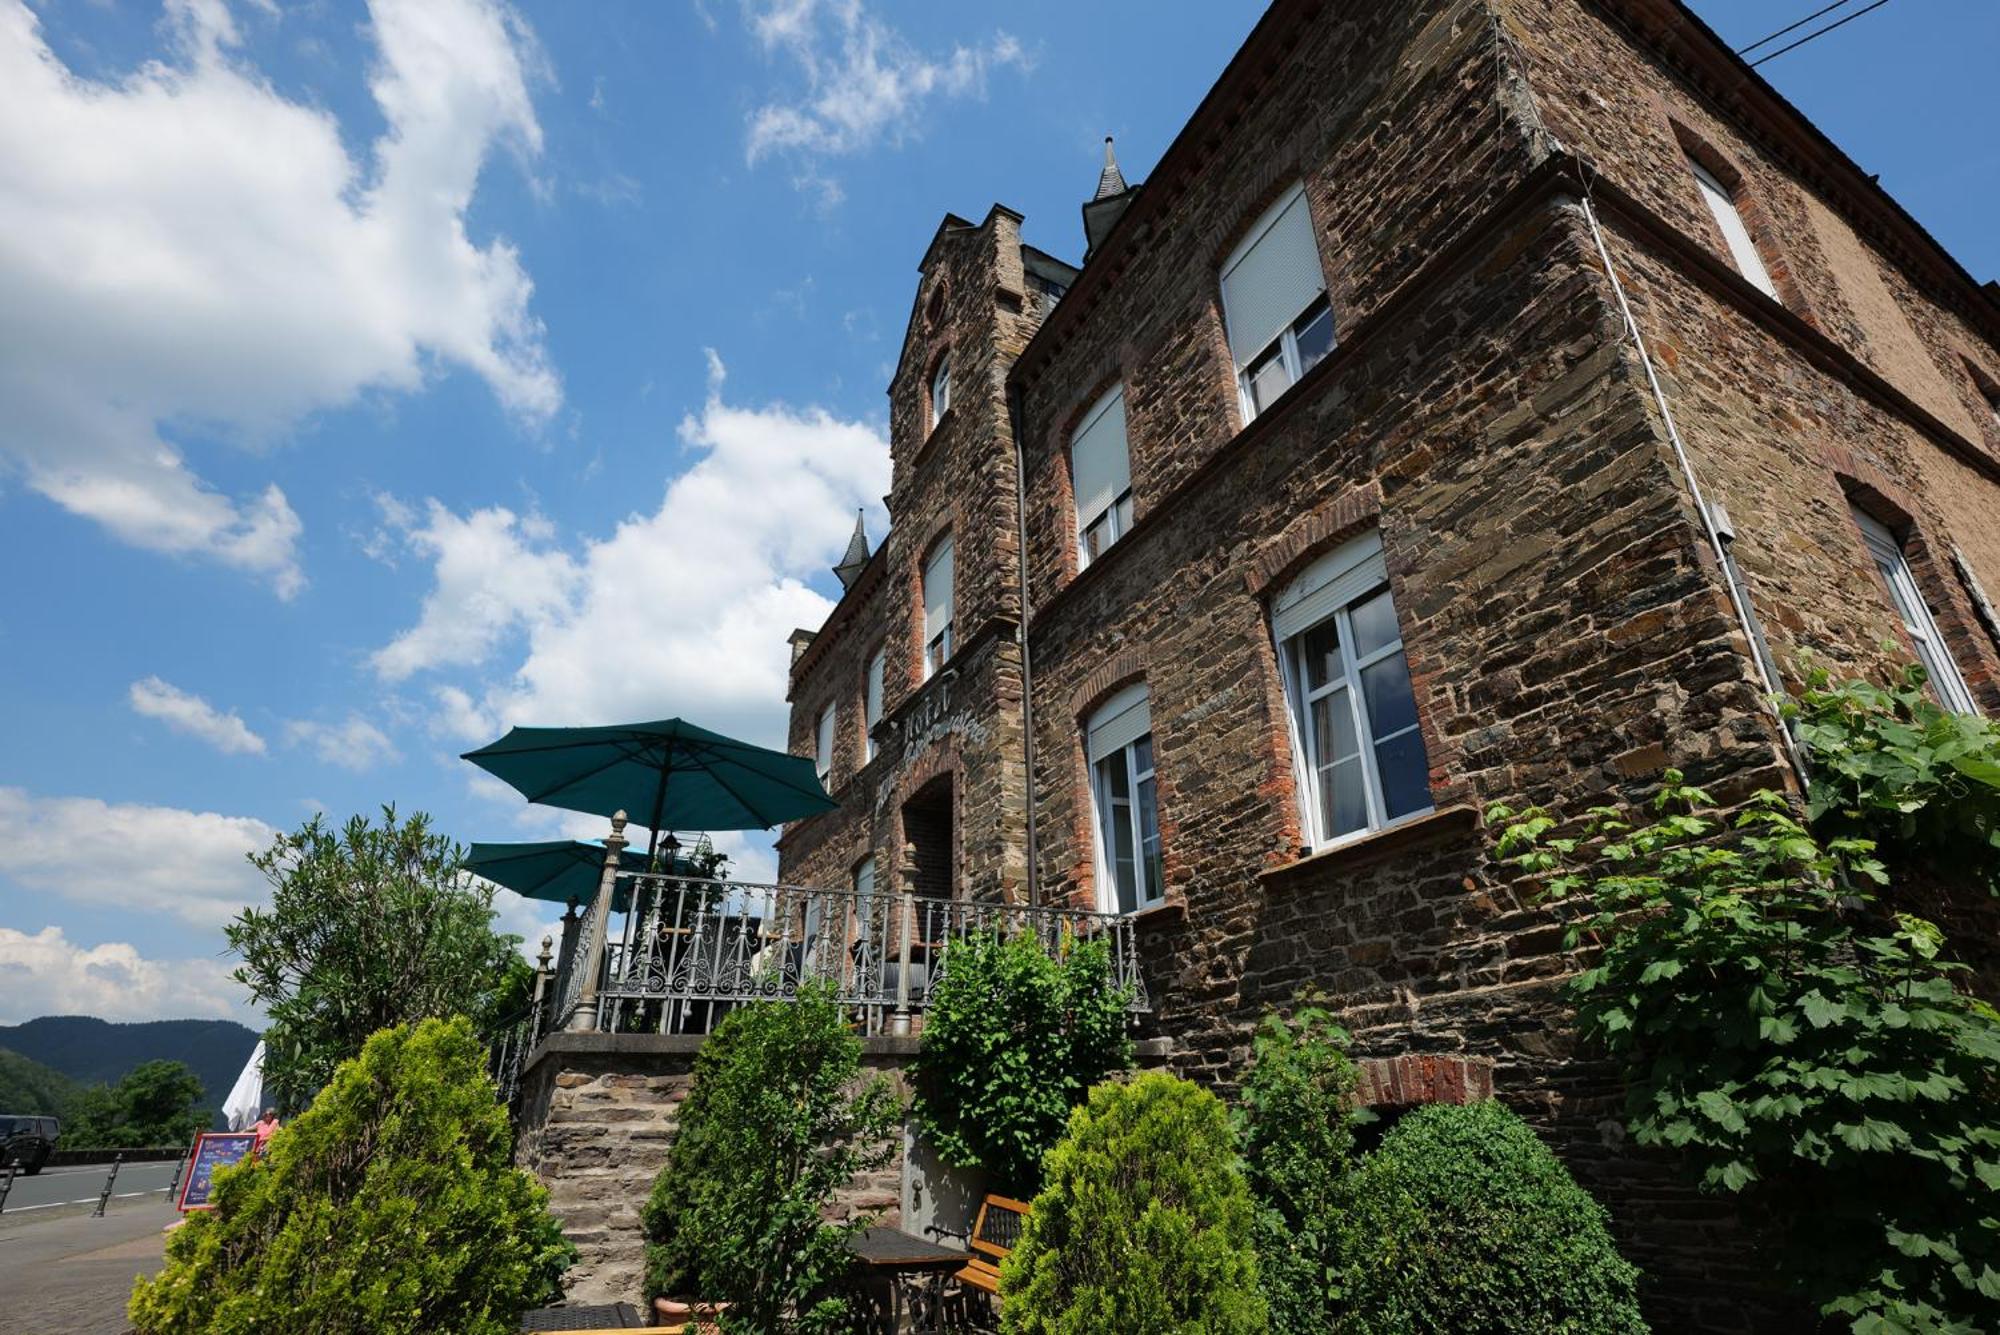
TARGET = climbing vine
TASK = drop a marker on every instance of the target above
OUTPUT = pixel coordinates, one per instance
(1800, 1043)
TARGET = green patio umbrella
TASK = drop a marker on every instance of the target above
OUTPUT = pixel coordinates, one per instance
(557, 870)
(670, 774)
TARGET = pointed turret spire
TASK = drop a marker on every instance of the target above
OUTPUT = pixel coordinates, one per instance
(1110, 181)
(855, 559)
(1105, 208)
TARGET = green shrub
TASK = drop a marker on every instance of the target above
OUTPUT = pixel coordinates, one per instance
(1295, 1123)
(1013, 1040)
(1796, 1042)
(1144, 1226)
(389, 1206)
(1890, 765)
(768, 1134)
(1463, 1221)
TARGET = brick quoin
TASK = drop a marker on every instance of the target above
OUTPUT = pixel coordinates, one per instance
(1564, 619)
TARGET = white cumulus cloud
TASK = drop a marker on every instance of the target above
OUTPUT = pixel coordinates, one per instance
(133, 857)
(683, 611)
(188, 713)
(189, 256)
(864, 82)
(493, 572)
(353, 743)
(45, 973)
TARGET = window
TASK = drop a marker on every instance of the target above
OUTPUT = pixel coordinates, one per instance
(1722, 203)
(937, 606)
(941, 389)
(1274, 303)
(1887, 550)
(864, 897)
(1119, 744)
(1101, 476)
(1353, 713)
(871, 703)
(823, 744)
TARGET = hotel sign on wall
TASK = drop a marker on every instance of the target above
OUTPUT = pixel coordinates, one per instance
(929, 721)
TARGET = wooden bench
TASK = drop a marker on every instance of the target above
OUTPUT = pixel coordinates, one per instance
(995, 1232)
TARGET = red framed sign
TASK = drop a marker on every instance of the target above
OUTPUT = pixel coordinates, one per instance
(212, 1150)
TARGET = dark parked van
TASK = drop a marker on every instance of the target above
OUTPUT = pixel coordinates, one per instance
(27, 1142)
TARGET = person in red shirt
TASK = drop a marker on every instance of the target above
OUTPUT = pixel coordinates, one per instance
(266, 1127)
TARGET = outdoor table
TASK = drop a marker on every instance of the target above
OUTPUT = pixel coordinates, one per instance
(614, 1316)
(908, 1259)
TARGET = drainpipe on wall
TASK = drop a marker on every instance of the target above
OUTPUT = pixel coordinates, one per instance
(1021, 632)
(1724, 561)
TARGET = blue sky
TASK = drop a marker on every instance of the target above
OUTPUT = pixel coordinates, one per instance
(373, 378)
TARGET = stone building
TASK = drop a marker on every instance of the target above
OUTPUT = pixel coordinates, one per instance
(1482, 399)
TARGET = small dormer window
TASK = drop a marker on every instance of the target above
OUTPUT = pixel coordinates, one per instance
(941, 389)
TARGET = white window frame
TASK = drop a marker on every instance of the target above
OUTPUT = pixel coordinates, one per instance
(1729, 217)
(823, 744)
(1351, 574)
(1886, 549)
(1287, 337)
(938, 643)
(1126, 711)
(871, 699)
(1117, 512)
(941, 388)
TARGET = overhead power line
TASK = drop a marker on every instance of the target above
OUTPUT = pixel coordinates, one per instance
(1792, 27)
(1817, 32)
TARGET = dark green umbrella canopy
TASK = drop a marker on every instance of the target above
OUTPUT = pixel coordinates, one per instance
(558, 870)
(668, 775)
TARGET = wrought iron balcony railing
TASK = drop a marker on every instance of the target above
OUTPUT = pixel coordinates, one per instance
(688, 951)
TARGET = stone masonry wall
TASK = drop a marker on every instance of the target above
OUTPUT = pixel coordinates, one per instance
(597, 1116)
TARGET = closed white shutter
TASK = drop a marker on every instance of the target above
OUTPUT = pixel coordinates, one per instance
(1329, 584)
(937, 590)
(1741, 248)
(872, 692)
(1272, 276)
(871, 703)
(823, 750)
(1123, 720)
(1100, 465)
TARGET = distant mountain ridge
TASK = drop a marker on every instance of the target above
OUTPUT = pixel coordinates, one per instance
(30, 1087)
(90, 1051)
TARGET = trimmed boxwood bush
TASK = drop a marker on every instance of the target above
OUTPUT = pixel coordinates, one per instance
(1462, 1220)
(1144, 1225)
(771, 1129)
(391, 1205)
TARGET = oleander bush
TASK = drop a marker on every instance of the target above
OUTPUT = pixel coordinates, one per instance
(1295, 1122)
(1014, 1037)
(389, 1206)
(1144, 1224)
(778, 1120)
(1462, 1220)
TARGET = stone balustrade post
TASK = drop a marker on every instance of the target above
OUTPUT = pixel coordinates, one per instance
(906, 921)
(591, 938)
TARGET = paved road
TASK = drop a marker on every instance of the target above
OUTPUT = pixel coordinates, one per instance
(70, 1274)
(52, 1187)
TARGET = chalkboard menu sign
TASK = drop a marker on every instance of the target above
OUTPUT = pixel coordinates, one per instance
(212, 1150)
